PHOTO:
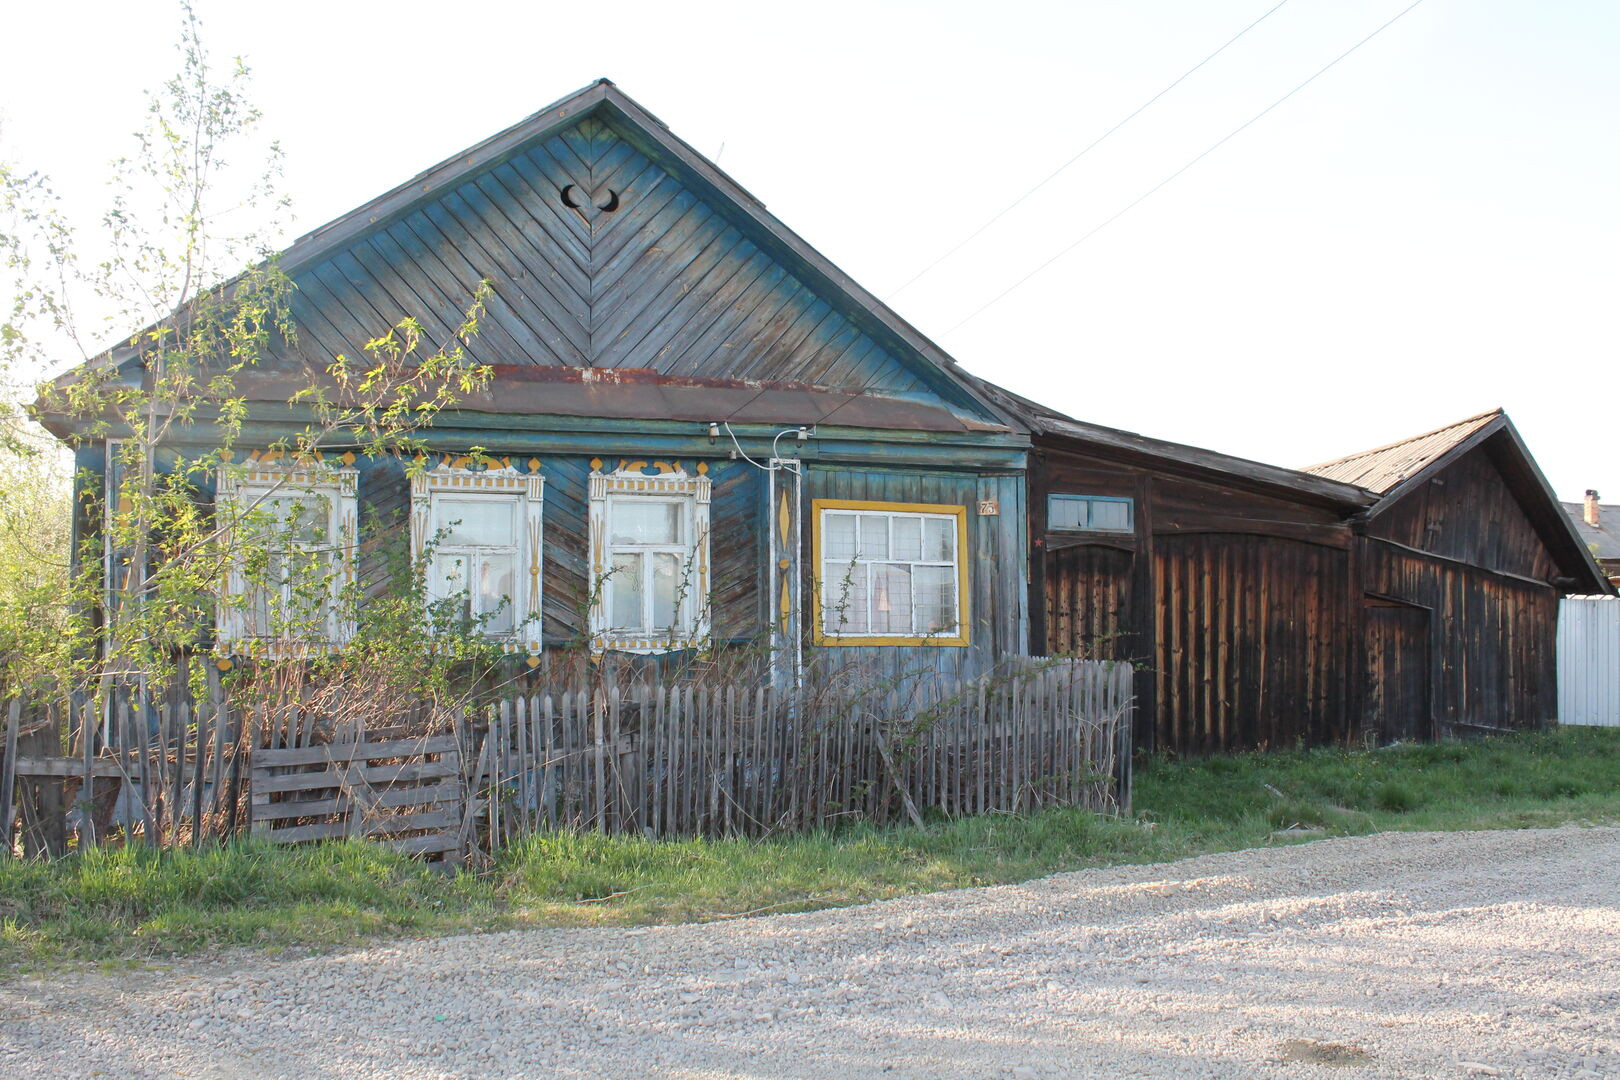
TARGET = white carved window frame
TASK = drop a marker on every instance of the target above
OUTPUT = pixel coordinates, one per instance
(242, 488)
(529, 489)
(694, 606)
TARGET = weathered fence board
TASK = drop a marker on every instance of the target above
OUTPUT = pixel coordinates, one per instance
(404, 792)
(655, 760)
(668, 761)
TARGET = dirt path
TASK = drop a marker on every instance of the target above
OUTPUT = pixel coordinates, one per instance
(1399, 955)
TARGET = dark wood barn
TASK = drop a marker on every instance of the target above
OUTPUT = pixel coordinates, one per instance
(1406, 592)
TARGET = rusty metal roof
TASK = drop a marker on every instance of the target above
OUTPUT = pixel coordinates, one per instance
(643, 394)
(1383, 467)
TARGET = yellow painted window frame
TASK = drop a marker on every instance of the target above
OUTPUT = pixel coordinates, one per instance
(964, 634)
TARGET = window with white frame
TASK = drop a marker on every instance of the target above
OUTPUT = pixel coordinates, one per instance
(650, 560)
(479, 534)
(890, 573)
(291, 536)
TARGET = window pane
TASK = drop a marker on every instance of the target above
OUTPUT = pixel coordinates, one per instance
(1114, 516)
(666, 580)
(908, 538)
(843, 592)
(488, 521)
(874, 536)
(298, 519)
(936, 599)
(891, 598)
(939, 539)
(1065, 513)
(645, 521)
(496, 586)
(626, 590)
(839, 537)
(447, 580)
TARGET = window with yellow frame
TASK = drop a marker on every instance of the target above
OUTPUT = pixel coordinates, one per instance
(890, 573)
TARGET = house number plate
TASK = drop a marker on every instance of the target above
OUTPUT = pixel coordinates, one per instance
(989, 508)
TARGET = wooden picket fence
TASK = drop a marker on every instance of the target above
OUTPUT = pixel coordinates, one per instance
(678, 760)
(646, 759)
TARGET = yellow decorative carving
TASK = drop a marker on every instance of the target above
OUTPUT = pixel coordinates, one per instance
(534, 464)
(227, 455)
(783, 563)
(783, 519)
(533, 662)
(348, 457)
(665, 467)
(703, 468)
(224, 663)
(596, 464)
(786, 603)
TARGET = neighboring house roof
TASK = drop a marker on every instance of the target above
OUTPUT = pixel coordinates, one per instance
(611, 243)
(1400, 468)
(1383, 467)
(1178, 457)
(1602, 539)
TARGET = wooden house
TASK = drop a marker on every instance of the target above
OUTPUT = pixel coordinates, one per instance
(1405, 592)
(706, 434)
(703, 431)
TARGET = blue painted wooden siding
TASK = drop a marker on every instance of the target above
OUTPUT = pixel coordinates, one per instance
(667, 281)
(997, 561)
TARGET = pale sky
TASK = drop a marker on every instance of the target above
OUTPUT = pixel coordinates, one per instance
(1429, 230)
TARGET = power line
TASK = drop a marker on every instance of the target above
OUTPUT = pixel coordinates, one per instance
(1140, 199)
(1004, 211)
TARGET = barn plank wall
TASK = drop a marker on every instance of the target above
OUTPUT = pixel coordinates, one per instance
(1493, 627)
(1235, 603)
(1268, 621)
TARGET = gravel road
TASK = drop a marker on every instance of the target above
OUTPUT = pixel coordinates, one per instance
(1398, 955)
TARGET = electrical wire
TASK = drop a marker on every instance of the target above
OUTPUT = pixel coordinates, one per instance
(1140, 199)
(1004, 211)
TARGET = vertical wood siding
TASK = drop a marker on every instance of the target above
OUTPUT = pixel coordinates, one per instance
(1089, 605)
(1468, 512)
(1493, 665)
(1251, 634)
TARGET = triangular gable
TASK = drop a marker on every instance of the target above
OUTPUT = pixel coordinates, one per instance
(1382, 468)
(1403, 468)
(610, 243)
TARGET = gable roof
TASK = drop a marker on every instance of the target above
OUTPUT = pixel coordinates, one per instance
(1383, 467)
(612, 243)
(1400, 468)
(1044, 421)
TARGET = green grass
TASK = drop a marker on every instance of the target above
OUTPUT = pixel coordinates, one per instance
(134, 904)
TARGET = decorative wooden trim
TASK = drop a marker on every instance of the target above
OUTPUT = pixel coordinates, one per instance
(452, 477)
(671, 480)
(962, 637)
(270, 472)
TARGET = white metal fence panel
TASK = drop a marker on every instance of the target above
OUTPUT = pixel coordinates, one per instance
(1589, 661)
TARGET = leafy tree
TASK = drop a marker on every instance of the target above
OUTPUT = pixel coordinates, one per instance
(210, 305)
